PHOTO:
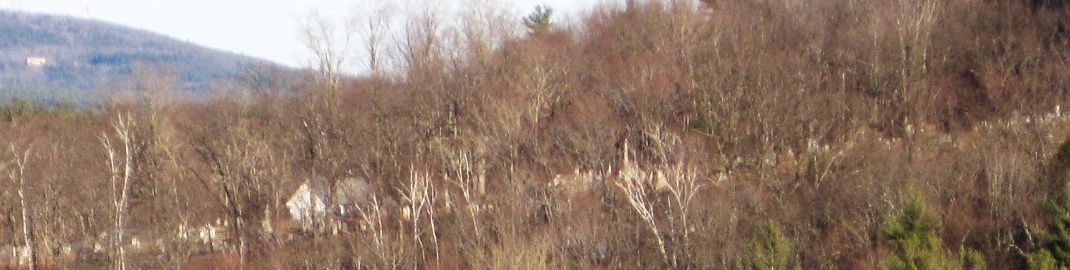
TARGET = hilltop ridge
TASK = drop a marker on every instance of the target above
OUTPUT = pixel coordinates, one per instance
(49, 56)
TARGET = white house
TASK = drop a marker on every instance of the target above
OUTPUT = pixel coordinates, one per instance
(310, 199)
(304, 203)
(36, 61)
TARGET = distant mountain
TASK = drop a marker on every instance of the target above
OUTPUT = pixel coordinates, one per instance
(47, 57)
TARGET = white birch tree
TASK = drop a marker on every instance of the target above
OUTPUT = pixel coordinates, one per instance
(120, 169)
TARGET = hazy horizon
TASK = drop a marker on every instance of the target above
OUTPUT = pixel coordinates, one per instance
(267, 29)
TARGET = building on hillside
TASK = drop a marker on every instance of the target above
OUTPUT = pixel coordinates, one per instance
(36, 61)
(310, 200)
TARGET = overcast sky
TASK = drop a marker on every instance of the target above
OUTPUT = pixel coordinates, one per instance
(261, 28)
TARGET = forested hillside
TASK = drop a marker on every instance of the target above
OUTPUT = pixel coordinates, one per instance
(78, 58)
(753, 134)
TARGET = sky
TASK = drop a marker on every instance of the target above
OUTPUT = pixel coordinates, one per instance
(268, 29)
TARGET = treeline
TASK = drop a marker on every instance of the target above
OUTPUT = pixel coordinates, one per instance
(832, 134)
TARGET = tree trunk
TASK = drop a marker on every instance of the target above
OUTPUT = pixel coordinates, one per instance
(120, 181)
(27, 228)
(27, 221)
(240, 226)
(14, 240)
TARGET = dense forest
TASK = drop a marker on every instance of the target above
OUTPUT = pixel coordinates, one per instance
(754, 134)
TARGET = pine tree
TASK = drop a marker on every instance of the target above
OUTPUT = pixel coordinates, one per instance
(1055, 245)
(914, 233)
(539, 21)
(772, 250)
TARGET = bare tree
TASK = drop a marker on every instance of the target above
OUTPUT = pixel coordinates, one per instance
(470, 180)
(330, 50)
(641, 188)
(120, 172)
(389, 254)
(683, 187)
(376, 27)
(322, 125)
(635, 184)
(421, 47)
(18, 174)
(484, 26)
(244, 171)
(419, 198)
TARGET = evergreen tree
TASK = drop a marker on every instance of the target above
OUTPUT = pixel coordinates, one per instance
(1055, 245)
(539, 21)
(771, 250)
(914, 233)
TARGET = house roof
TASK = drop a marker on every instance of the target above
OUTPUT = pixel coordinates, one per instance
(349, 190)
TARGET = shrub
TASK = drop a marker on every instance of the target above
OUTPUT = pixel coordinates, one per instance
(972, 260)
(771, 250)
(914, 233)
(1055, 246)
(1043, 260)
(19, 108)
